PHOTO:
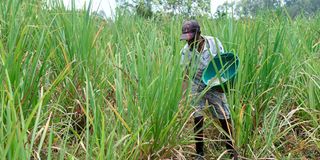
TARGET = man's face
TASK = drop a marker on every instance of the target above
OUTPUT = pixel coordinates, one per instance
(193, 41)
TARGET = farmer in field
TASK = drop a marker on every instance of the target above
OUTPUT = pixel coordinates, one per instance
(197, 54)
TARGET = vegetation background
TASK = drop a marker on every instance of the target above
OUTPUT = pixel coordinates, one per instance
(78, 86)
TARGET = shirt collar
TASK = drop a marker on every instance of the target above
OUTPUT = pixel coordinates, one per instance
(206, 45)
(205, 48)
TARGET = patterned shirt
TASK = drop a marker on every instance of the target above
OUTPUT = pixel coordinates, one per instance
(212, 47)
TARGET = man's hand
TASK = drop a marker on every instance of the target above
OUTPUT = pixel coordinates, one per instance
(185, 84)
(218, 89)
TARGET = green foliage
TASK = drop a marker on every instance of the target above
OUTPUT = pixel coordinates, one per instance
(76, 86)
(147, 8)
(251, 8)
(144, 10)
(307, 7)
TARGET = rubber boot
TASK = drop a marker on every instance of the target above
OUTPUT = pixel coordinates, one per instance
(224, 124)
(198, 121)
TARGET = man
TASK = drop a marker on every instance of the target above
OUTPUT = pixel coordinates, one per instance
(197, 54)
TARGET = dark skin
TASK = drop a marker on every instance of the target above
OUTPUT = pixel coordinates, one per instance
(198, 41)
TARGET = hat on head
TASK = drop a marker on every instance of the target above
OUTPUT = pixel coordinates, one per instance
(189, 29)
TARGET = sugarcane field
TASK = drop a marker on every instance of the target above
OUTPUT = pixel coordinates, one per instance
(160, 79)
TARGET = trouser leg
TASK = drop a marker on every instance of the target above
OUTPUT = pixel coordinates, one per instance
(227, 128)
(225, 124)
(198, 129)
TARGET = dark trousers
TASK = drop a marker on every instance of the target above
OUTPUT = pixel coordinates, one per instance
(198, 129)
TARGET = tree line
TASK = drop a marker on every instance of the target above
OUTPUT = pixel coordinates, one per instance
(243, 8)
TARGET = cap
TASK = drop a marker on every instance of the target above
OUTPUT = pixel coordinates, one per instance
(189, 29)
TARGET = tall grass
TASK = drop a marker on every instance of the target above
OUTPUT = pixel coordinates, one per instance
(277, 84)
(77, 86)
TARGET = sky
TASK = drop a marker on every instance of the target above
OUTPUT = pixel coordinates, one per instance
(108, 6)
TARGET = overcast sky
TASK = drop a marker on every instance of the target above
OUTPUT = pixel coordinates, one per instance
(108, 6)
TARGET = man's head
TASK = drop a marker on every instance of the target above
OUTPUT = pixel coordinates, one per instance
(190, 32)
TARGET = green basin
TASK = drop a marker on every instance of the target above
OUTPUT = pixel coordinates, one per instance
(221, 69)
